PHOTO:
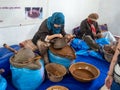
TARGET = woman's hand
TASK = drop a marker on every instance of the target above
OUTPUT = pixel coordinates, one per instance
(50, 37)
(99, 35)
(69, 37)
(108, 81)
(58, 35)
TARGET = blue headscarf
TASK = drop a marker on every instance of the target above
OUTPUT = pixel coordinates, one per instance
(56, 18)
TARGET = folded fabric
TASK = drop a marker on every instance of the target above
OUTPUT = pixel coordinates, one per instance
(82, 52)
(90, 53)
(79, 44)
(102, 41)
(96, 55)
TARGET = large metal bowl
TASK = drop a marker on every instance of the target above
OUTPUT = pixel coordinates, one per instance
(84, 72)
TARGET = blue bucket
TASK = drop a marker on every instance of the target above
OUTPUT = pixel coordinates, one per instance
(59, 60)
(26, 79)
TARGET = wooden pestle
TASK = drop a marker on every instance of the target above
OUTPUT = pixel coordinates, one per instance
(8, 47)
(15, 51)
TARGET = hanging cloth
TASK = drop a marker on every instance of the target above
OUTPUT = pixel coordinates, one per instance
(93, 29)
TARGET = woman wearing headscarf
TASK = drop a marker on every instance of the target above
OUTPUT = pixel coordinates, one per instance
(50, 28)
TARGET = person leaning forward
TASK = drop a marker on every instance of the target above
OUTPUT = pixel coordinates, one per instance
(89, 32)
(52, 27)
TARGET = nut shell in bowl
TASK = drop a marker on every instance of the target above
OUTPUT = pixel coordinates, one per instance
(84, 72)
(57, 87)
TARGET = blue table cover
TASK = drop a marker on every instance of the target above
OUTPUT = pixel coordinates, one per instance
(69, 82)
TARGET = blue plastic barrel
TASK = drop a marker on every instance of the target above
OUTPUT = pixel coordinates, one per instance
(26, 79)
(59, 60)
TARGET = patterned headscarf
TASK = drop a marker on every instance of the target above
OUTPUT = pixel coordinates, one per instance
(56, 18)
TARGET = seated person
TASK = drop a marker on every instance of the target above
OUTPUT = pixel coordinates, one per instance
(89, 31)
(112, 81)
(52, 27)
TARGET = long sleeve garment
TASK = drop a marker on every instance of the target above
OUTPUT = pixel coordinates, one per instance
(44, 31)
(85, 29)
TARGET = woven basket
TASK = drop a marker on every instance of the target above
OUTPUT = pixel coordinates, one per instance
(55, 72)
(33, 64)
(109, 52)
(84, 72)
(57, 87)
(108, 56)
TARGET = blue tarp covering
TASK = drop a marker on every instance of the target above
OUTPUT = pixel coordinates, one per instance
(82, 48)
(73, 84)
(69, 82)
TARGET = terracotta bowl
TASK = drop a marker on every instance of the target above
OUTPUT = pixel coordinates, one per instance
(57, 87)
(84, 72)
(55, 72)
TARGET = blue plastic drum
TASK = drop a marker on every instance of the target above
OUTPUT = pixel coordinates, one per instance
(59, 60)
(26, 79)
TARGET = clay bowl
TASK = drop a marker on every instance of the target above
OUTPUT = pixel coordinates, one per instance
(55, 72)
(57, 87)
(84, 72)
